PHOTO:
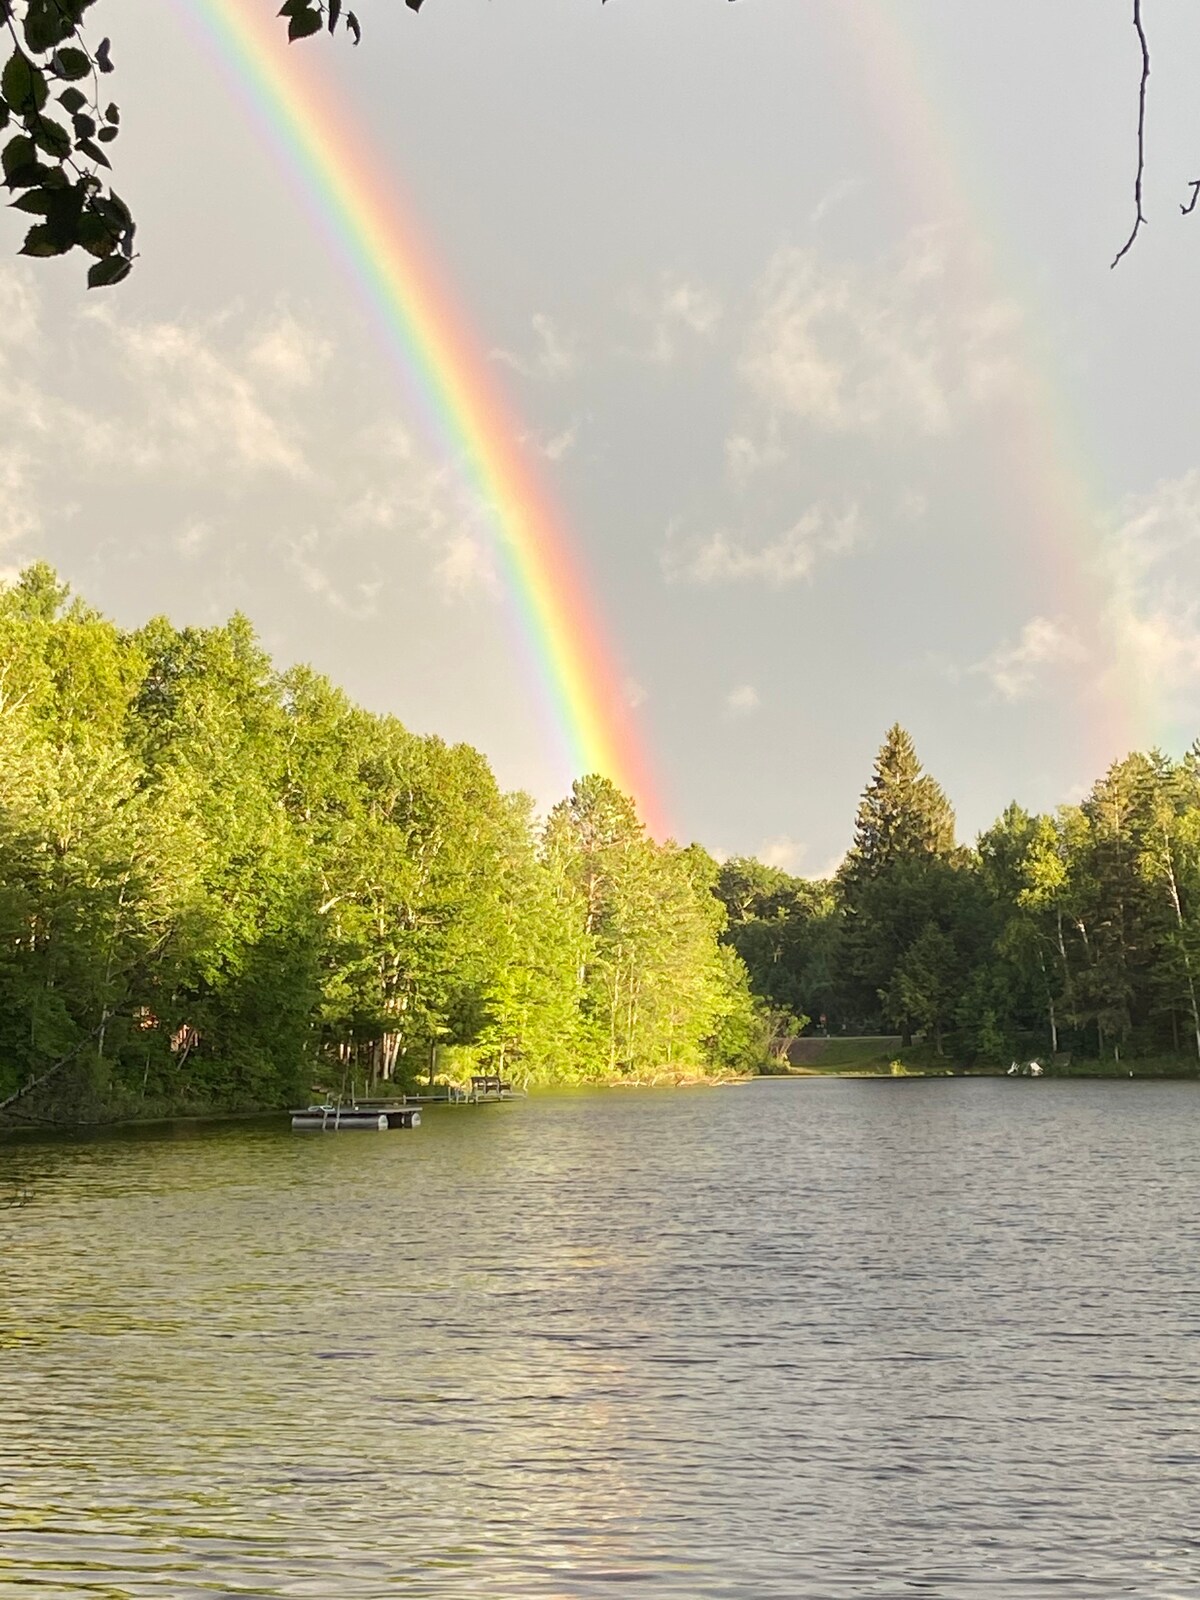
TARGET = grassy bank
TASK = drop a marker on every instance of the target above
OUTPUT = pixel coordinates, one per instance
(883, 1056)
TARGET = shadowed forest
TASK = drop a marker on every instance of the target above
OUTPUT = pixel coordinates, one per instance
(222, 885)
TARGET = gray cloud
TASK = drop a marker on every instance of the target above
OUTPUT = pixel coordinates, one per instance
(722, 557)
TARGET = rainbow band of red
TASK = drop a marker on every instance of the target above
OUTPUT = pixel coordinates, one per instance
(430, 335)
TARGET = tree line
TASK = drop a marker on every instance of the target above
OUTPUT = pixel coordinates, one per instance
(1074, 933)
(221, 884)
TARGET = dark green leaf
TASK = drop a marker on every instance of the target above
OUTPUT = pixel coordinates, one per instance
(51, 137)
(115, 208)
(85, 128)
(21, 166)
(335, 11)
(303, 23)
(22, 84)
(112, 113)
(93, 152)
(103, 60)
(96, 235)
(109, 271)
(43, 241)
(71, 100)
(35, 201)
(46, 24)
(70, 62)
(353, 27)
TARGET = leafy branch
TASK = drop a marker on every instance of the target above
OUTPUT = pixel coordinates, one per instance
(53, 165)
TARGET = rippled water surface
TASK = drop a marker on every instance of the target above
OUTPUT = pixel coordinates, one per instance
(791, 1339)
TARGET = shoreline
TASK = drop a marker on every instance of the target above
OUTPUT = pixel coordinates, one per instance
(1145, 1072)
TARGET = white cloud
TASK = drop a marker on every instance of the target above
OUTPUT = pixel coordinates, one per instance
(466, 564)
(834, 197)
(192, 539)
(372, 507)
(680, 309)
(1162, 646)
(782, 851)
(691, 305)
(18, 310)
(19, 506)
(289, 352)
(421, 501)
(555, 354)
(193, 441)
(191, 407)
(357, 600)
(1152, 563)
(746, 456)
(1016, 670)
(725, 558)
(824, 873)
(742, 700)
(1142, 645)
(900, 346)
(560, 444)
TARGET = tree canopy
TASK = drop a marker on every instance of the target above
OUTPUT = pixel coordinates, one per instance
(221, 884)
(1072, 933)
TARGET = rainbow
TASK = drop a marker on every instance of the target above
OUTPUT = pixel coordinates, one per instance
(1043, 468)
(378, 240)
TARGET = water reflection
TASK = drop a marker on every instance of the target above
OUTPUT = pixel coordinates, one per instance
(791, 1339)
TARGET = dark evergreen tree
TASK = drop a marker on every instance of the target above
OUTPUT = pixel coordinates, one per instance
(897, 887)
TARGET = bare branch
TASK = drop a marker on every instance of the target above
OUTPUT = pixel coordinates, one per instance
(1191, 205)
(1140, 215)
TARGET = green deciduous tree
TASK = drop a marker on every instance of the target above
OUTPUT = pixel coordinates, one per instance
(220, 884)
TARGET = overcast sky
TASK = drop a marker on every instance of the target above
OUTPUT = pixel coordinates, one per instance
(805, 306)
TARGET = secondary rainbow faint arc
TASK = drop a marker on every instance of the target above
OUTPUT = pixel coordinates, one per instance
(1045, 463)
(429, 333)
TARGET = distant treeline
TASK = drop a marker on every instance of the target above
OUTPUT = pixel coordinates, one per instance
(221, 884)
(1074, 933)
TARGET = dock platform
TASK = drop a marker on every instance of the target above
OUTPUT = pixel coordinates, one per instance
(489, 1086)
(373, 1116)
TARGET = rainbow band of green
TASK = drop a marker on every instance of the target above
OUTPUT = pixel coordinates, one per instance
(430, 336)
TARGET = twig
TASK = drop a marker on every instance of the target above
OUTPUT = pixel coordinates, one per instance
(1140, 215)
(1191, 205)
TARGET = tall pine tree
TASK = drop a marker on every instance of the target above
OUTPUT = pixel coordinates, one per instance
(899, 960)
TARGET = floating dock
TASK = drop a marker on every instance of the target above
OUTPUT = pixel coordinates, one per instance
(380, 1115)
(372, 1116)
(488, 1086)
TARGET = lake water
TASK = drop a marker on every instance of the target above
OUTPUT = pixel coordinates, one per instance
(789, 1339)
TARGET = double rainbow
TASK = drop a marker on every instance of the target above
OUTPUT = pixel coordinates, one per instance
(430, 337)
